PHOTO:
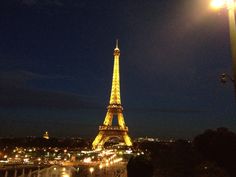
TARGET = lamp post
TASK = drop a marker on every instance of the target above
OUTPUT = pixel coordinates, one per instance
(230, 5)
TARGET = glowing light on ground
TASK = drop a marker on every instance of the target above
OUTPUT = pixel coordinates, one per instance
(87, 160)
(91, 169)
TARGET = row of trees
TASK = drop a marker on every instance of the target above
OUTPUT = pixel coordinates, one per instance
(211, 154)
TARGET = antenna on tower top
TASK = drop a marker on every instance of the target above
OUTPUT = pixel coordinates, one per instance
(117, 42)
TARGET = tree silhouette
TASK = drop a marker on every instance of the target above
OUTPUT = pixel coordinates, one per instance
(218, 146)
(139, 166)
(209, 169)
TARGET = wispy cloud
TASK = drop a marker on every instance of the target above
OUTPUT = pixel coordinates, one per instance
(42, 2)
(167, 110)
(15, 97)
(20, 77)
(14, 93)
(29, 2)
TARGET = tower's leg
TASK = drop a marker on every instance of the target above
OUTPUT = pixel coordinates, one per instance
(104, 139)
(127, 140)
(108, 118)
(97, 140)
(100, 140)
(121, 121)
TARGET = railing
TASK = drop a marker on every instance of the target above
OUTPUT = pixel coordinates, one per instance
(116, 128)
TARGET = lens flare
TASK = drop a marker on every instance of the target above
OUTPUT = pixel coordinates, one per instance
(217, 4)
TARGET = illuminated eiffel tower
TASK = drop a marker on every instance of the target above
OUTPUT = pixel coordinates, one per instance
(107, 130)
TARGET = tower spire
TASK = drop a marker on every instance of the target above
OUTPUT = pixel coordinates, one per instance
(117, 50)
(117, 43)
(115, 89)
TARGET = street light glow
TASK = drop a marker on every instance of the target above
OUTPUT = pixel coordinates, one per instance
(217, 4)
(231, 4)
(91, 169)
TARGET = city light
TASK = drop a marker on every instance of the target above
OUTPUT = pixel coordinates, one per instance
(104, 161)
(91, 169)
(87, 160)
(65, 175)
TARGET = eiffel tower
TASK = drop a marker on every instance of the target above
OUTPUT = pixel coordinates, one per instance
(107, 130)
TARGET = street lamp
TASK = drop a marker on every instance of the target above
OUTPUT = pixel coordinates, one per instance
(230, 5)
(224, 77)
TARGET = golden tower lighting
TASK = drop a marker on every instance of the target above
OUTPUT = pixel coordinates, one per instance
(107, 130)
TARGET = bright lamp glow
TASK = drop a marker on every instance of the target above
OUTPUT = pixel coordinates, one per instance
(91, 169)
(216, 4)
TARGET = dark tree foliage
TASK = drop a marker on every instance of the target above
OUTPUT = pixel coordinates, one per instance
(176, 159)
(211, 154)
(218, 146)
(209, 169)
(139, 166)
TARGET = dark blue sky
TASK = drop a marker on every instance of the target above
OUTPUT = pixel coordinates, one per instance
(57, 58)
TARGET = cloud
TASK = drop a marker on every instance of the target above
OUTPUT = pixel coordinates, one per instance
(42, 2)
(166, 110)
(15, 94)
(13, 97)
(20, 77)
(29, 2)
(30, 75)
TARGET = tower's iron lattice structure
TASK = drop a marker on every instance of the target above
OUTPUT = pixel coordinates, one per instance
(107, 130)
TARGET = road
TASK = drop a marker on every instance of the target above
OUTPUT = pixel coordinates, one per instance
(117, 170)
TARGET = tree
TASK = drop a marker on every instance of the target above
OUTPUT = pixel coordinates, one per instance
(209, 169)
(218, 146)
(139, 166)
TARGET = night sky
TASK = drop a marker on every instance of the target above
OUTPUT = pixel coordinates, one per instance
(56, 61)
